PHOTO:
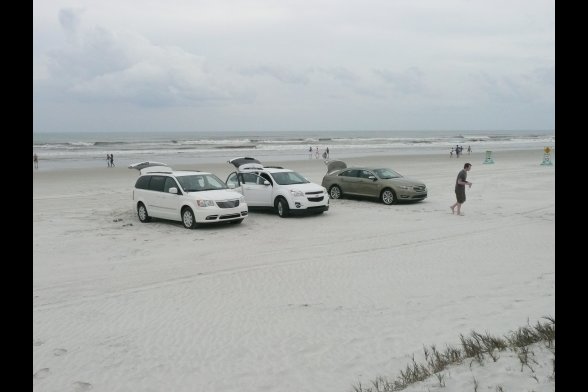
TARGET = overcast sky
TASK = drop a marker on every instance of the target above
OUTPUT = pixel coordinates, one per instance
(309, 65)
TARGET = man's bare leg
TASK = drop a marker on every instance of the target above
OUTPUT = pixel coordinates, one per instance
(453, 208)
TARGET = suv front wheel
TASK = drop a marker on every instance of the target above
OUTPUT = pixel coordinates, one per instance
(188, 218)
(282, 207)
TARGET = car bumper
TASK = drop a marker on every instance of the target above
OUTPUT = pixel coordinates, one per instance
(212, 215)
(412, 196)
(303, 205)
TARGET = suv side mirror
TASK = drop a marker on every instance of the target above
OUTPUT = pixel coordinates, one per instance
(372, 178)
(266, 182)
(232, 185)
(173, 190)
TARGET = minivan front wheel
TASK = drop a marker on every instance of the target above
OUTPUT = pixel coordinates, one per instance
(142, 213)
(188, 218)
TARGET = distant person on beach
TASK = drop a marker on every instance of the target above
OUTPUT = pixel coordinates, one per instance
(324, 155)
(460, 184)
(451, 153)
(469, 150)
(108, 159)
(111, 160)
(327, 151)
(310, 152)
(316, 152)
(35, 161)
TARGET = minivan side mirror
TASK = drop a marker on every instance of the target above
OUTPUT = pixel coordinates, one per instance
(372, 178)
(173, 190)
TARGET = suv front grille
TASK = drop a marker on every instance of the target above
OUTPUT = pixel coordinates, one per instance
(228, 203)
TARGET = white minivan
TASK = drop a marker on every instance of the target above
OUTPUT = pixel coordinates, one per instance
(284, 190)
(191, 197)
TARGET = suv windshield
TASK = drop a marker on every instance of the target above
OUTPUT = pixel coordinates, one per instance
(200, 182)
(289, 178)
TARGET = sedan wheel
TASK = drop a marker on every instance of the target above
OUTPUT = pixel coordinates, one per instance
(388, 197)
(188, 219)
(335, 192)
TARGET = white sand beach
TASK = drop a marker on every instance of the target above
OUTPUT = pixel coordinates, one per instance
(310, 303)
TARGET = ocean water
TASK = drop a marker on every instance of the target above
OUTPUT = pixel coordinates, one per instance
(82, 150)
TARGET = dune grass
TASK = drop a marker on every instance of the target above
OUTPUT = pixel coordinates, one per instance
(476, 347)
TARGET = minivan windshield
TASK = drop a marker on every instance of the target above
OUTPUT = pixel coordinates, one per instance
(200, 182)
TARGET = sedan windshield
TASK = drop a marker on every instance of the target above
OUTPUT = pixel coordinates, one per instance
(289, 178)
(386, 174)
(200, 182)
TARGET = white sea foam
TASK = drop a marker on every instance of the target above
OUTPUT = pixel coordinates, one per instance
(87, 150)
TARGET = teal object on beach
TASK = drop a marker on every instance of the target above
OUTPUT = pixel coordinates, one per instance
(488, 159)
(547, 157)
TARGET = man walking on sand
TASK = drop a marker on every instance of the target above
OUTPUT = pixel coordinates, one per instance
(460, 184)
(35, 161)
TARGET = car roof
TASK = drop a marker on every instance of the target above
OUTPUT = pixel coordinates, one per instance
(150, 167)
(180, 173)
(367, 167)
(276, 170)
(176, 173)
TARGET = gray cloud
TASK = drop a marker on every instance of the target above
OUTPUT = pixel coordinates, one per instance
(278, 72)
(409, 81)
(259, 64)
(69, 19)
(106, 66)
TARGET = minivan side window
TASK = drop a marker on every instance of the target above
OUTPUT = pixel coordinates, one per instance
(156, 183)
(142, 182)
(170, 183)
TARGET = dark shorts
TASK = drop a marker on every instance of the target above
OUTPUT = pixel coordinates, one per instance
(460, 194)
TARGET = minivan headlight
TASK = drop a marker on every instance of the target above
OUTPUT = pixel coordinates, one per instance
(404, 187)
(205, 203)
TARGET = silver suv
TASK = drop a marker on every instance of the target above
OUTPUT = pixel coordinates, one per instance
(284, 190)
(192, 197)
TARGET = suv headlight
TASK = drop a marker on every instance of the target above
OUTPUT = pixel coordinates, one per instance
(242, 200)
(296, 193)
(205, 203)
